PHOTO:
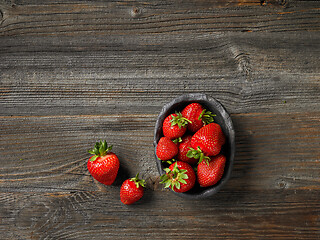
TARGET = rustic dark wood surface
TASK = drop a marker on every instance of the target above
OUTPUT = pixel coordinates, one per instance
(74, 72)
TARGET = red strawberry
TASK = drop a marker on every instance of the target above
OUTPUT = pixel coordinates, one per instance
(180, 177)
(184, 147)
(166, 149)
(210, 172)
(209, 139)
(103, 165)
(132, 190)
(197, 115)
(174, 126)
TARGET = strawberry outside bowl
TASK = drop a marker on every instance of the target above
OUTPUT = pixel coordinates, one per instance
(222, 118)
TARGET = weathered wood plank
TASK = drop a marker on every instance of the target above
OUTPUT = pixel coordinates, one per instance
(138, 75)
(274, 151)
(95, 215)
(152, 17)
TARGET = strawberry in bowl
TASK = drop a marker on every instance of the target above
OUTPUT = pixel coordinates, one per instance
(207, 144)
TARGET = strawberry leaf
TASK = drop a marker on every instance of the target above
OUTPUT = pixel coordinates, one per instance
(100, 149)
(167, 184)
(179, 120)
(193, 153)
(177, 140)
(170, 161)
(174, 178)
(206, 117)
(138, 181)
(93, 158)
(197, 154)
(183, 181)
(184, 176)
(96, 151)
(91, 151)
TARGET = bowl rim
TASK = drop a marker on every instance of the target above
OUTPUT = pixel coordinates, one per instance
(231, 139)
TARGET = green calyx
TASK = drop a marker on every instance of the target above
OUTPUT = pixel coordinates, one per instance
(138, 181)
(100, 149)
(174, 178)
(206, 117)
(197, 154)
(177, 140)
(168, 161)
(179, 120)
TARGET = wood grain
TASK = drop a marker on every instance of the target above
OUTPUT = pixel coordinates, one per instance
(142, 74)
(83, 215)
(152, 17)
(72, 73)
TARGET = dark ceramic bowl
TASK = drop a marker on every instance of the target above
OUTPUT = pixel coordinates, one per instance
(222, 118)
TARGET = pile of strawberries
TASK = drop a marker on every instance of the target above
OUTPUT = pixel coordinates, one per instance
(191, 146)
(190, 137)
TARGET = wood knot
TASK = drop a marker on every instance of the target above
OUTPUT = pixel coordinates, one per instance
(135, 12)
(243, 60)
(281, 184)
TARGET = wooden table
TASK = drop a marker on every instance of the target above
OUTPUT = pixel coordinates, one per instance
(72, 73)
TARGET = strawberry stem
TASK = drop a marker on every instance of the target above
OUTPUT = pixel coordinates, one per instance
(206, 117)
(100, 149)
(197, 154)
(138, 181)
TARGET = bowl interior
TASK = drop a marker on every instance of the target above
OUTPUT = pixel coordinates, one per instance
(222, 118)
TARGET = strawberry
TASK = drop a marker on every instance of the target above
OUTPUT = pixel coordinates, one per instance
(183, 149)
(166, 149)
(103, 165)
(180, 177)
(210, 172)
(209, 139)
(174, 126)
(132, 190)
(197, 115)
